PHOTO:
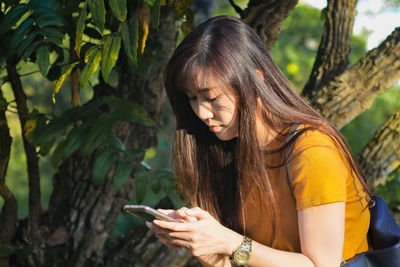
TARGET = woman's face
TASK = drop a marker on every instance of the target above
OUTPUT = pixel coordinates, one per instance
(216, 107)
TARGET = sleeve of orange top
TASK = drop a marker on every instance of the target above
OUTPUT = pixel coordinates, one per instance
(318, 171)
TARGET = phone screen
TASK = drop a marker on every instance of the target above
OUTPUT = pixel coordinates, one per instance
(147, 213)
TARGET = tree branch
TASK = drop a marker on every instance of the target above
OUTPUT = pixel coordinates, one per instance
(354, 91)
(30, 151)
(266, 16)
(382, 155)
(236, 7)
(8, 216)
(332, 58)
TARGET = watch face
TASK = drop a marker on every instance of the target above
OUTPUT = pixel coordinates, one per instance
(242, 256)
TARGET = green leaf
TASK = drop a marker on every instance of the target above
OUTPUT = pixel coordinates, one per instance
(12, 17)
(128, 111)
(29, 50)
(43, 59)
(57, 155)
(21, 32)
(61, 80)
(46, 147)
(56, 128)
(35, 126)
(48, 6)
(133, 116)
(98, 13)
(149, 3)
(102, 165)
(45, 20)
(118, 7)
(92, 33)
(115, 143)
(109, 55)
(135, 153)
(83, 112)
(51, 32)
(26, 43)
(6, 250)
(130, 38)
(80, 26)
(93, 61)
(54, 40)
(142, 178)
(98, 132)
(116, 103)
(122, 172)
(75, 140)
(155, 13)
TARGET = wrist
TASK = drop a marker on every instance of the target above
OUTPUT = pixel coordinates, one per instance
(232, 242)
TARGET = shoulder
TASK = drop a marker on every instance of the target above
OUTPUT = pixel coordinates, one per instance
(314, 138)
(319, 170)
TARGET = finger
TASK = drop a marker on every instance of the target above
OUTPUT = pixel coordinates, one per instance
(173, 226)
(168, 212)
(156, 229)
(182, 213)
(199, 213)
(167, 242)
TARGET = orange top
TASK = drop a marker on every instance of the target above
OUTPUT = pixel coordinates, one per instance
(320, 175)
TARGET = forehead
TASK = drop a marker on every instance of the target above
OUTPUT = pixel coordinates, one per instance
(206, 82)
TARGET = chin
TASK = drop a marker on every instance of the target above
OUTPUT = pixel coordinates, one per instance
(224, 137)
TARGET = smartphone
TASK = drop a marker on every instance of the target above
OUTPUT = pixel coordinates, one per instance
(147, 213)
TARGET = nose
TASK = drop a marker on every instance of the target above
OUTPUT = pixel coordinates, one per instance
(204, 112)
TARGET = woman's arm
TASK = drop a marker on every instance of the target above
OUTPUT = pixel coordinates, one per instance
(321, 231)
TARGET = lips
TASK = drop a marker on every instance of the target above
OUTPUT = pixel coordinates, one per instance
(214, 128)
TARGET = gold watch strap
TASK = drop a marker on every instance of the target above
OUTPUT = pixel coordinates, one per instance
(245, 245)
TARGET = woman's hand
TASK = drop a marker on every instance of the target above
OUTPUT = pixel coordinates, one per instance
(162, 234)
(203, 236)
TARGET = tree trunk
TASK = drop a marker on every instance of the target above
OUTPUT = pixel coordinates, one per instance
(334, 49)
(354, 91)
(266, 16)
(382, 155)
(8, 215)
(32, 159)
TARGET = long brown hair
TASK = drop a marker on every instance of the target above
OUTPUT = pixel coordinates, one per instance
(210, 173)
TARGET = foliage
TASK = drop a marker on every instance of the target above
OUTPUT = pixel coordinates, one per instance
(44, 36)
(361, 129)
(390, 191)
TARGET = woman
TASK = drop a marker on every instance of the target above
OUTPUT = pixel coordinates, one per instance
(240, 131)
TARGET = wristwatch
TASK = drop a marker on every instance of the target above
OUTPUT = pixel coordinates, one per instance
(241, 255)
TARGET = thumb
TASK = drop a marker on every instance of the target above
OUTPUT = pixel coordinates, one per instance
(198, 213)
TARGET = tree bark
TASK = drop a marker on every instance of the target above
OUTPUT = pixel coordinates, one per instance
(30, 150)
(8, 215)
(354, 91)
(382, 155)
(332, 58)
(266, 16)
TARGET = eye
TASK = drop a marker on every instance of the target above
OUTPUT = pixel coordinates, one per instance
(210, 100)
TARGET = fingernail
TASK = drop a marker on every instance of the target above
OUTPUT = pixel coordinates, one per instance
(189, 212)
(148, 224)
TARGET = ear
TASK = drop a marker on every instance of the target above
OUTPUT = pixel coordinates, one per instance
(260, 74)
